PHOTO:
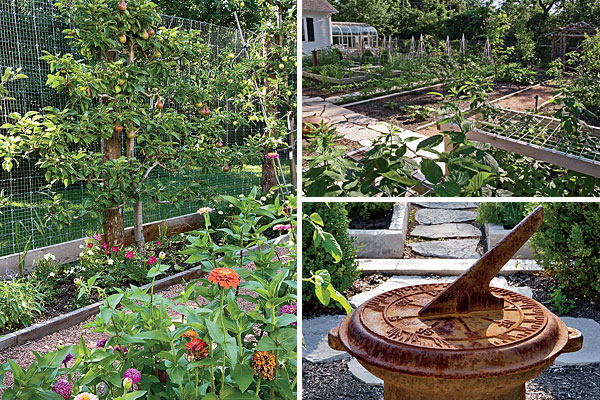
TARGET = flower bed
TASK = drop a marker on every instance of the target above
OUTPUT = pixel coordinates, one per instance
(213, 349)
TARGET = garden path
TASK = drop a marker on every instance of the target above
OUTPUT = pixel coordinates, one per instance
(361, 128)
(443, 230)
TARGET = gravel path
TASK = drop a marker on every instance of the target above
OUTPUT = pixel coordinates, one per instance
(328, 381)
(23, 354)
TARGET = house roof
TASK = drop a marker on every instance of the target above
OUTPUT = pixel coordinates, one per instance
(318, 5)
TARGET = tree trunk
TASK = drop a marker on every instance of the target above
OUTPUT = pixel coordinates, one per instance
(269, 175)
(113, 217)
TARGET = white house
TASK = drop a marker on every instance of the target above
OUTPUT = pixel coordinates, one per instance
(316, 24)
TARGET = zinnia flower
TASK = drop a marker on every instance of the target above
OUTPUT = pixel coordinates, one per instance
(68, 358)
(134, 374)
(97, 236)
(282, 227)
(197, 349)
(289, 309)
(101, 388)
(129, 255)
(115, 249)
(118, 348)
(101, 343)
(127, 383)
(204, 210)
(225, 277)
(190, 334)
(90, 245)
(105, 246)
(162, 376)
(162, 255)
(86, 396)
(151, 260)
(272, 155)
(63, 388)
(264, 365)
(158, 243)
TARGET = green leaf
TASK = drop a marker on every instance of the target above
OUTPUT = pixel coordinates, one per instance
(430, 142)
(433, 173)
(242, 375)
(316, 218)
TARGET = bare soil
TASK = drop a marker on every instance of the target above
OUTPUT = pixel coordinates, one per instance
(526, 100)
(380, 221)
(376, 108)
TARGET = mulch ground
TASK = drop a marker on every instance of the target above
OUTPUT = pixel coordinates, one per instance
(327, 381)
(23, 355)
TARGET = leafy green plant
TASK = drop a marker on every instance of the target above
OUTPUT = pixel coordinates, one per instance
(566, 246)
(417, 112)
(367, 57)
(21, 301)
(507, 214)
(329, 222)
(214, 350)
(560, 301)
(514, 73)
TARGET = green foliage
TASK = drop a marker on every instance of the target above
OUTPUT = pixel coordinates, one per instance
(567, 246)
(385, 57)
(342, 268)
(514, 73)
(585, 82)
(228, 338)
(21, 301)
(560, 301)
(8, 77)
(366, 210)
(508, 214)
(367, 57)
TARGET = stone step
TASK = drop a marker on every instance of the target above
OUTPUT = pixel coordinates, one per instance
(455, 248)
(446, 206)
(315, 332)
(399, 281)
(438, 266)
(448, 230)
(433, 216)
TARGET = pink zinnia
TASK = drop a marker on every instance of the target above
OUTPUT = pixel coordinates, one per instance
(129, 255)
(282, 227)
(152, 260)
(158, 243)
(115, 249)
(63, 388)
(90, 245)
(289, 309)
(204, 210)
(271, 156)
(133, 374)
(107, 251)
(105, 246)
(97, 236)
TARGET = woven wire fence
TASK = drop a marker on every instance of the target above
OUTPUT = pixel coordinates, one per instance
(27, 28)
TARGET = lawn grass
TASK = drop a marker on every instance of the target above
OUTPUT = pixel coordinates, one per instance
(22, 222)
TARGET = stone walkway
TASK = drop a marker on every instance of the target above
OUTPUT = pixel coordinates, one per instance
(361, 128)
(444, 231)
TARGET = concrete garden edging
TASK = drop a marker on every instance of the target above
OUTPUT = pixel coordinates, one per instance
(496, 232)
(39, 330)
(383, 243)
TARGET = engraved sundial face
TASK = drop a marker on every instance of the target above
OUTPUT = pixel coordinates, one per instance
(394, 316)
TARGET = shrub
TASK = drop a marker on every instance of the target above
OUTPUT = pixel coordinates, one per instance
(385, 57)
(567, 246)
(507, 214)
(367, 57)
(20, 301)
(367, 210)
(343, 273)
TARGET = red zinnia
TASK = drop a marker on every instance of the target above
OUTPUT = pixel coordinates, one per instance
(197, 348)
(190, 334)
(225, 277)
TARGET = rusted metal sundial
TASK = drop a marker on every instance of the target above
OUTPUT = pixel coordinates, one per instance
(463, 340)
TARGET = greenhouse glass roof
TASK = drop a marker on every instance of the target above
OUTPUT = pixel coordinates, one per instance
(351, 28)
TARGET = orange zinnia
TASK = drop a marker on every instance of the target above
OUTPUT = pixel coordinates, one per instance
(225, 277)
(190, 334)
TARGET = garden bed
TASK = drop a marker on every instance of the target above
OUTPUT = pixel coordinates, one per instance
(23, 354)
(378, 109)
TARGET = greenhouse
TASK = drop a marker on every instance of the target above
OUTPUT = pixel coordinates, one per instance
(354, 36)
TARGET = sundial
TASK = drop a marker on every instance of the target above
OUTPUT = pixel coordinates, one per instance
(459, 340)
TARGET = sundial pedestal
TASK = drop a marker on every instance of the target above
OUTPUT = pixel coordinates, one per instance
(458, 341)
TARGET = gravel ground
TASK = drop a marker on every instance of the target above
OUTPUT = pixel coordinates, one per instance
(328, 381)
(23, 354)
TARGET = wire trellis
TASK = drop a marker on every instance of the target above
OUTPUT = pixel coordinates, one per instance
(27, 28)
